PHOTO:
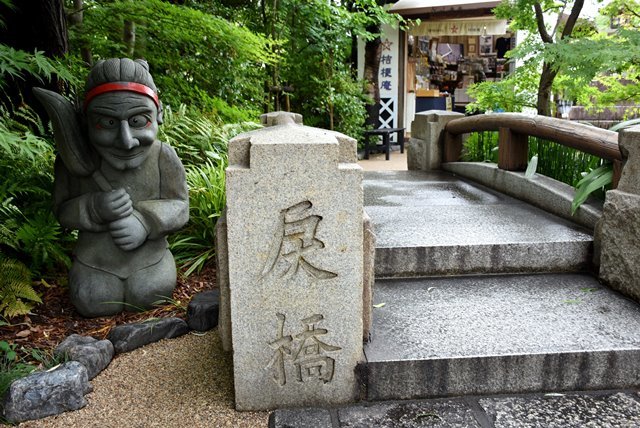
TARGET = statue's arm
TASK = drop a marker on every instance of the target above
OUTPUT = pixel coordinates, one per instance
(169, 213)
(73, 208)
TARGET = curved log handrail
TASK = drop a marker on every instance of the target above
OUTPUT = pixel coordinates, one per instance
(586, 138)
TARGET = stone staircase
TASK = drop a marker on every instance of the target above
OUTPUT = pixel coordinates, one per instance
(479, 293)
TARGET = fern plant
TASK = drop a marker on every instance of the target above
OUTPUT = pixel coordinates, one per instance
(17, 296)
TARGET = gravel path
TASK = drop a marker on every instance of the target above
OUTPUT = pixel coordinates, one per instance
(183, 382)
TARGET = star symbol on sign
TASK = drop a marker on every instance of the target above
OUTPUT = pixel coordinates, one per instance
(454, 29)
(386, 45)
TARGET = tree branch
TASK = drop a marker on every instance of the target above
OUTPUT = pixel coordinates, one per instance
(542, 29)
(573, 18)
(559, 20)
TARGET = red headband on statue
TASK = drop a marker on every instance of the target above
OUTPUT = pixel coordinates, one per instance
(121, 86)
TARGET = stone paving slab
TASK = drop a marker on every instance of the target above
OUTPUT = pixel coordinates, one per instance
(603, 409)
(434, 223)
(500, 334)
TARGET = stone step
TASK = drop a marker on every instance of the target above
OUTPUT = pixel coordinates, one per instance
(435, 224)
(500, 334)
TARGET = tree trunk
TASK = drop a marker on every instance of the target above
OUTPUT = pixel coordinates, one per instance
(34, 25)
(75, 19)
(371, 70)
(129, 37)
(544, 89)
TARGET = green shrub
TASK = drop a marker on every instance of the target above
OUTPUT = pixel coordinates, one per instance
(201, 142)
(11, 367)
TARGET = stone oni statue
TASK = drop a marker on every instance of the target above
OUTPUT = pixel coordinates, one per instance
(124, 190)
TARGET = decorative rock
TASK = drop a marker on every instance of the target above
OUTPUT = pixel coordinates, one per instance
(619, 235)
(202, 312)
(94, 354)
(47, 393)
(128, 337)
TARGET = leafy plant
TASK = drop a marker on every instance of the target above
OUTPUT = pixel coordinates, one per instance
(213, 60)
(16, 64)
(194, 245)
(40, 236)
(17, 296)
(11, 367)
(598, 179)
(593, 181)
(201, 142)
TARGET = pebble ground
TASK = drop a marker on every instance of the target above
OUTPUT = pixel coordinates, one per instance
(182, 382)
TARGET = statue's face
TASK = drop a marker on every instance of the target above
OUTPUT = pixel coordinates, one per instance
(122, 127)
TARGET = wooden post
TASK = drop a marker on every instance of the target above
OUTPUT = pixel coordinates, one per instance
(513, 150)
(617, 172)
(452, 147)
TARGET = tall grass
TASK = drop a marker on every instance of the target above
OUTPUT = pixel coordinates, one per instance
(201, 142)
(554, 160)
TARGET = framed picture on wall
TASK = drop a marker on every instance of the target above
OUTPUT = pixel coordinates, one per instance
(486, 45)
(472, 49)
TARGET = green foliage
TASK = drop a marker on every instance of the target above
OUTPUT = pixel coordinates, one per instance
(16, 363)
(28, 230)
(194, 245)
(17, 64)
(201, 143)
(40, 237)
(481, 147)
(560, 162)
(596, 180)
(553, 160)
(17, 296)
(194, 56)
(314, 40)
(11, 368)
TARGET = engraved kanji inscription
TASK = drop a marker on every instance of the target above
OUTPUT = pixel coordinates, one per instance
(305, 351)
(295, 238)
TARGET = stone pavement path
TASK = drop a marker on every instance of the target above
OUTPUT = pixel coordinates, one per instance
(609, 409)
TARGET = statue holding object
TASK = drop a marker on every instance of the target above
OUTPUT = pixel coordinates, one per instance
(124, 190)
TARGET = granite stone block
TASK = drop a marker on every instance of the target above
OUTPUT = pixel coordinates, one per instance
(619, 238)
(566, 411)
(300, 418)
(295, 258)
(435, 413)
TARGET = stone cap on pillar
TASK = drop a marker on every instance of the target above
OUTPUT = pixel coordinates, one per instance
(280, 118)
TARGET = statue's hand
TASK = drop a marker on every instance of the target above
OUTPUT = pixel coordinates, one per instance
(128, 233)
(112, 205)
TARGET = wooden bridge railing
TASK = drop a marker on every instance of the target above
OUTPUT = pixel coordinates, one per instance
(514, 130)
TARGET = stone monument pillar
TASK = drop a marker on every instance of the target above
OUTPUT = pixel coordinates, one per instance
(294, 225)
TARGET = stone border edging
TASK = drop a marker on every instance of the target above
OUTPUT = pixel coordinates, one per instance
(62, 388)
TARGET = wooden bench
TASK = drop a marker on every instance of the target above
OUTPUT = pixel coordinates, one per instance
(385, 132)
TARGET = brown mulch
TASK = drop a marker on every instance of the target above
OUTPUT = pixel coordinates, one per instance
(51, 322)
